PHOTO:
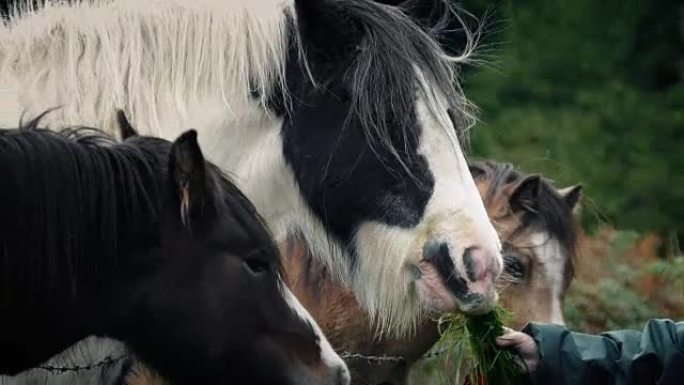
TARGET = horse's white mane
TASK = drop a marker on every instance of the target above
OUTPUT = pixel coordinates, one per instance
(157, 55)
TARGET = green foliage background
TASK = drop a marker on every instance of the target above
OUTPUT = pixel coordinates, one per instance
(589, 92)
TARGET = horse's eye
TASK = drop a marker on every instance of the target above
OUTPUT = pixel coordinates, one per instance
(256, 265)
(514, 267)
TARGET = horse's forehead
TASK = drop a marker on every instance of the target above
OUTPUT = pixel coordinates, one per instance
(509, 226)
(550, 255)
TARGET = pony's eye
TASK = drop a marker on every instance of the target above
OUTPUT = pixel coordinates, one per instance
(256, 265)
(514, 267)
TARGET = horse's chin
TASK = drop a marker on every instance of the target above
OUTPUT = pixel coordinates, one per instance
(437, 298)
(478, 304)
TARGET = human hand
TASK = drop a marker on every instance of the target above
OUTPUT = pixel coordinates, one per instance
(523, 345)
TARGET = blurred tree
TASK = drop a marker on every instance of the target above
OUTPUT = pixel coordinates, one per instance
(592, 92)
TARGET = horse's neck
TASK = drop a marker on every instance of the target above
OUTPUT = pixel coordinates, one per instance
(170, 67)
(246, 142)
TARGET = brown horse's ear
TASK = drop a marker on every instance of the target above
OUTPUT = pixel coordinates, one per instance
(525, 196)
(571, 195)
(188, 174)
(126, 130)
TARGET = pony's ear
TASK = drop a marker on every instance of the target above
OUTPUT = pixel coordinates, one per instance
(126, 130)
(327, 31)
(525, 196)
(571, 195)
(188, 174)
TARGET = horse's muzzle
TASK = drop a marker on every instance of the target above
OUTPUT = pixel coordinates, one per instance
(468, 277)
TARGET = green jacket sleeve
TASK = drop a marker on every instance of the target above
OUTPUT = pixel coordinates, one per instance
(654, 355)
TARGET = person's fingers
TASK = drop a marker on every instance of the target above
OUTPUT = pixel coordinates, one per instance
(506, 341)
(514, 335)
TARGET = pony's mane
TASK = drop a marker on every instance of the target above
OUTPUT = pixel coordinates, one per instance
(553, 215)
(66, 194)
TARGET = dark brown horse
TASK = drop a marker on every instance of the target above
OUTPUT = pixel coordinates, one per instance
(535, 222)
(144, 242)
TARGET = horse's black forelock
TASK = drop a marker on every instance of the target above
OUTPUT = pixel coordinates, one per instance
(380, 71)
(551, 212)
(55, 182)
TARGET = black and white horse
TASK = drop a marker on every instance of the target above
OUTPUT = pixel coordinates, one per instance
(146, 243)
(339, 119)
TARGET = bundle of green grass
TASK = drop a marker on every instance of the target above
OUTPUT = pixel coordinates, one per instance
(473, 338)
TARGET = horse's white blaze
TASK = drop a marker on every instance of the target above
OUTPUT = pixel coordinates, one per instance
(455, 213)
(328, 355)
(455, 210)
(550, 252)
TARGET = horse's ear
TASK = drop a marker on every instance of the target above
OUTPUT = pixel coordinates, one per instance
(326, 29)
(188, 174)
(525, 196)
(126, 130)
(571, 195)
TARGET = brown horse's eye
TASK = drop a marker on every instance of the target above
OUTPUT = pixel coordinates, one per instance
(256, 265)
(514, 267)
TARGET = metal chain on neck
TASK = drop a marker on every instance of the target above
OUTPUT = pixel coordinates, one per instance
(65, 369)
(379, 359)
(344, 355)
(390, 359)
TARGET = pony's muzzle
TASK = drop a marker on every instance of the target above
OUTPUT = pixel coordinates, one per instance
(336, 371)
(468, 276)
(334, 375)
